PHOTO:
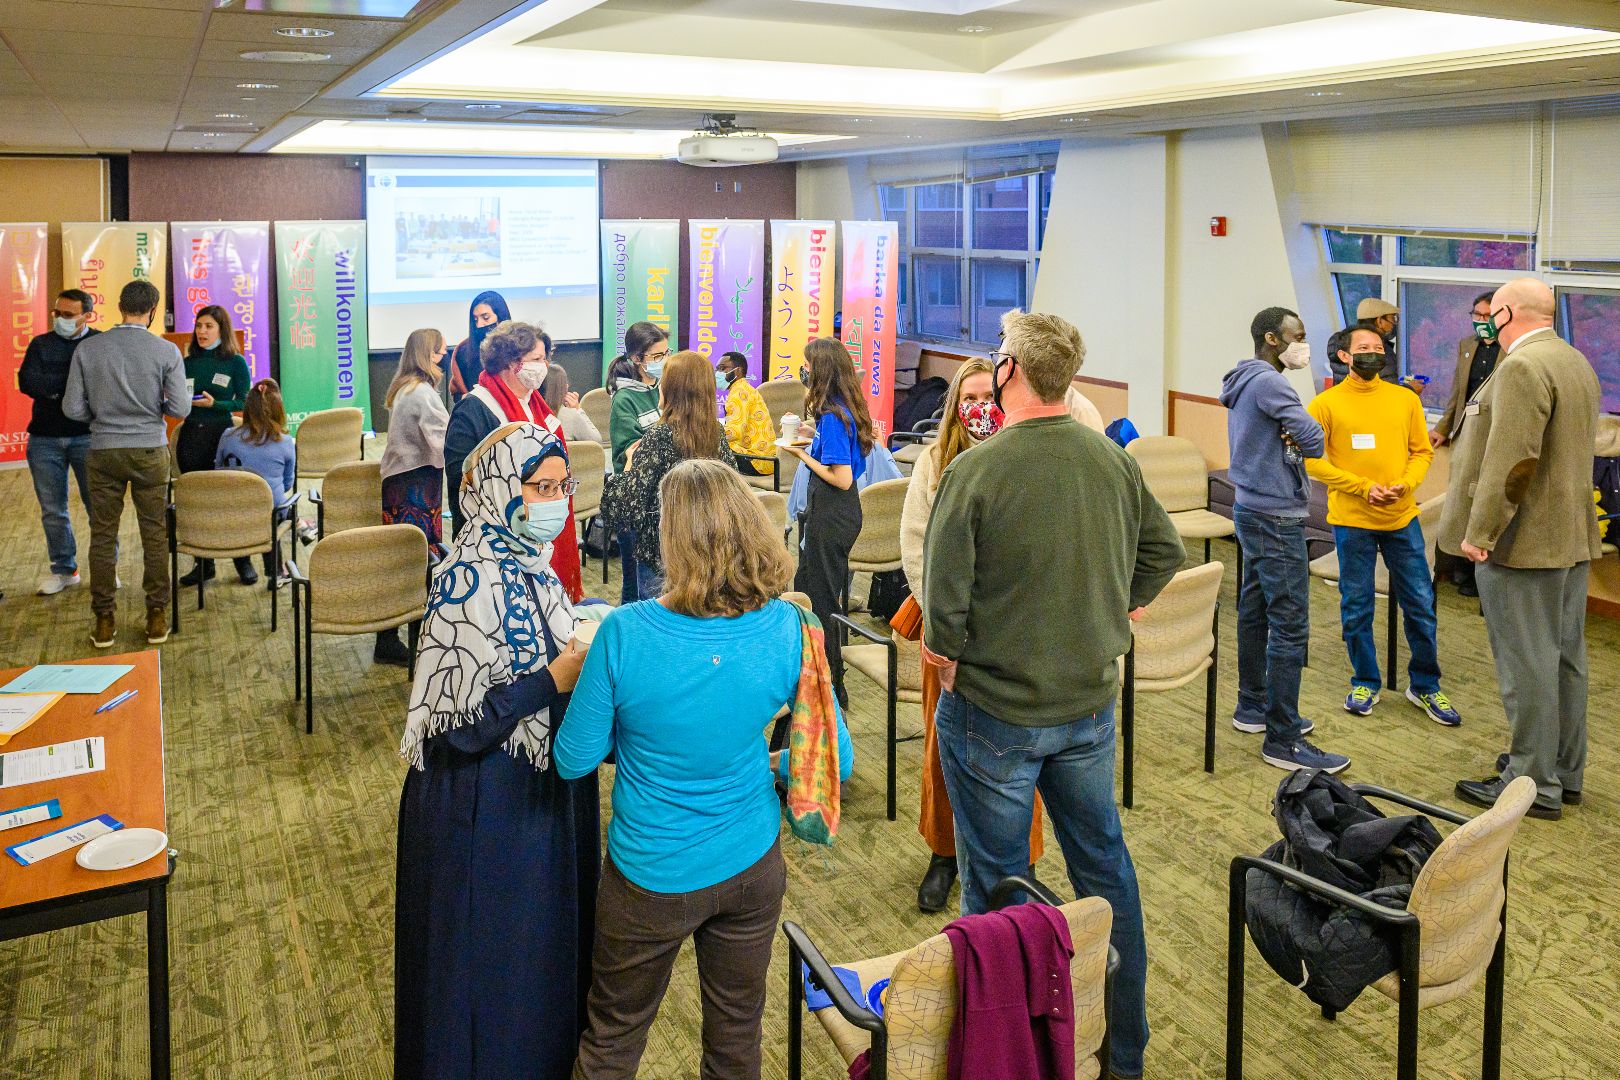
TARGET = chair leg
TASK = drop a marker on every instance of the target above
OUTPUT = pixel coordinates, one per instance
(201, 579)
(893, 679)
(1206, 549)
(1209, 715)
(309, 665)
(174, 577)
(1406, 1052)
(1394, 644)
(275, 573)
(1495, 977)
(1234, 973)
(795, 1006)
(298, 647)
(1129, 709)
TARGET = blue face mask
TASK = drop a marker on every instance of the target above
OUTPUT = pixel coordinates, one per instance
(655, 368)
(721, 380)
(543, 522)
(207, 348)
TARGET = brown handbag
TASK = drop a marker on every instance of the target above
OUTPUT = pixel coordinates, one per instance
(908, 621)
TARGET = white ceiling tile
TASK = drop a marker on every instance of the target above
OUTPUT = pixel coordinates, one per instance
(261, 30)
(67, 18)
(46, 46)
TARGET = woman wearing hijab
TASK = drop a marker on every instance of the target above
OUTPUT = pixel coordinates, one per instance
(498, 854)
(488, 310)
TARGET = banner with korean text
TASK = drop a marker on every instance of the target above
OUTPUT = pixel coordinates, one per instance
(802, 300)
(725, 263)
(871, 276)
(640, 266)
(321, 297)
(101, 257)
(225, 264)
(25, 303)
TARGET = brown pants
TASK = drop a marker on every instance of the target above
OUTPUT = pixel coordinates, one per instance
(639, 933)
(144, 472)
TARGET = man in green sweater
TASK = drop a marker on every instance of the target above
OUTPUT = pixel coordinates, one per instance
(1043, 544)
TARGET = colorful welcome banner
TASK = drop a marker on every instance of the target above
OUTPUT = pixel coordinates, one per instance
(23, 305)
(640, 282)
(101, 257)
(225, 264)
(871, 278)
(725, 266)
(802, 301)
(321, 289)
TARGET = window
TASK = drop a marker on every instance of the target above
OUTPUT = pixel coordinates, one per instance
(1467, 254)
(1353, 289)
(939, 296)
(1435, 316)
(1001, 214)
(1343, 247)
(998, 286)
(939, 216)
(1589, 319)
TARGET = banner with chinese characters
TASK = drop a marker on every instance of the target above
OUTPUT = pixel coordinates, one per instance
(26, 304)
(321, 294)
(101, 257)
(725, 267)
(802, 301)
(225, 264)
(871, 276)
(640, 264)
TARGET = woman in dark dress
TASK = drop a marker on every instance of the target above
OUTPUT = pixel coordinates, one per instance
(498, 855)
(487, 311)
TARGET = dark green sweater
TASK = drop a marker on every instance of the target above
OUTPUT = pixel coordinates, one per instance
(1041, 542)
(205, 368)
(634, 410)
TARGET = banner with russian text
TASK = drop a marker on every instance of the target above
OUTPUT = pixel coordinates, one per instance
(640, 264)
(101, 257)
(225, 264)
(802, 300)
(321, 301)
(26, 301)
(725, 263)
(871, 276)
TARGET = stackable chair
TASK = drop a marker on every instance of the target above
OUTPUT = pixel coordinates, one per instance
(349, 498)
(587, 462)
(895, 664)
(1174, 471)
(328, 438)
(598, 406)
(224, 514)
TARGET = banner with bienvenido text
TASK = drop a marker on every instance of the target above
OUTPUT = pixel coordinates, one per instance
(101, 257)
(725, 267)
(871, 276)
(24, 305)
(225, 264)
(640, 282)
(321, 297)
(802, 300)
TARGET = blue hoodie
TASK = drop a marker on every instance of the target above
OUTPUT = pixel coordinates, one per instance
(1262, 405)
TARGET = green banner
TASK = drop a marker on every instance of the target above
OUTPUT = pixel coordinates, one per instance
(321, 297)
(640, 280)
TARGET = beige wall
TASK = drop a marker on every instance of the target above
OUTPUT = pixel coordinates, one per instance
(54, 190)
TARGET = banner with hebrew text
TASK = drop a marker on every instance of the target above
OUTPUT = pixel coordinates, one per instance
(25, 306)
(101, 257)
(871, 280)
(225, 264)
(802, 300)
(321, 296)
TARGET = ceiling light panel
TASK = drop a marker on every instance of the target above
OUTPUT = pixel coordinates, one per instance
(533, 140)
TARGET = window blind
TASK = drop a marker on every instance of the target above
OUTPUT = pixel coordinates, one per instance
(1583, 197)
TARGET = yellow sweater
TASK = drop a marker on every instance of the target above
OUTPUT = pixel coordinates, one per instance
(1376, 434)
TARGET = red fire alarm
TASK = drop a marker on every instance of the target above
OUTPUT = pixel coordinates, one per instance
(1217, 226)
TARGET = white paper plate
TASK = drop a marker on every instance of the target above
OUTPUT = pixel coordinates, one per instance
(122, 849)
(796, 442)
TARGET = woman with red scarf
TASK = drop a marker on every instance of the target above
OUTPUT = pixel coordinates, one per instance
(513, 358)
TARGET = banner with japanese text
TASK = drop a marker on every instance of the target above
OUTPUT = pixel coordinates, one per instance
(101, 257)
(321, 297)
(802, 302)
(725, 263)
(871, 276)
(640, 266)
(225, 264)
(26, 301)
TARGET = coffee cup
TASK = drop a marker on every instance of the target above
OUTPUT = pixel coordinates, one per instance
(790, 427)
(584, 634)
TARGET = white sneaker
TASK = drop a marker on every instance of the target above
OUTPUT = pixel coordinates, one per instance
(55, 583)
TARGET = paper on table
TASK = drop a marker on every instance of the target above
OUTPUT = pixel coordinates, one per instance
(68, 678)
(17, 711)
(53, 762)
(54, 843)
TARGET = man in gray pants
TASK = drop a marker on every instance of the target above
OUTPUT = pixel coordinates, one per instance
(1520, 507)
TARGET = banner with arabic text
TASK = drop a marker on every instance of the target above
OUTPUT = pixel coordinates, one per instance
(225, 264)
(725, 263)
(26, 303)
(101, 257)
(802, 299)
(871, 278)
(321, 296)
(640, 283)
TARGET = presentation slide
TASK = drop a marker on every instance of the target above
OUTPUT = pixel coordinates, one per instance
(441, 230)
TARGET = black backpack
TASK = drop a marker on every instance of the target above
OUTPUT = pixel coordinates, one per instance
(921, 403)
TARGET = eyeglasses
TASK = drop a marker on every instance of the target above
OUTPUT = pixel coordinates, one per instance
(64, 314)
(998, 358)
(654, 357)
(550, 489)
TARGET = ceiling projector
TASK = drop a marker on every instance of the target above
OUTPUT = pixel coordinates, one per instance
(719, 142)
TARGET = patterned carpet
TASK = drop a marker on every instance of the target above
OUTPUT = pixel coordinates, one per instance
(282, 905)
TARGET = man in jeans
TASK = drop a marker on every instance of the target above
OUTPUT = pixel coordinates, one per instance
(122, 383)
(57, 444)
(1270, 435)
(1042, 544)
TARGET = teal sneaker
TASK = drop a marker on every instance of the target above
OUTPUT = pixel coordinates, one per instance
(1361, 701)
(1437, 705)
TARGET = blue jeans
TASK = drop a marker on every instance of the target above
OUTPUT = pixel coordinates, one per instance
(649, 581)
(49, 460)
(1413, 583)
(992, 771)
(1274, 621)
(629, 591)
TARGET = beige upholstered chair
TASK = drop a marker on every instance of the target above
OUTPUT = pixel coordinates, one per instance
(1175, 641)
(359, 581)
(598, 406)
(894, 663)
(782, 396)
(587, 462)
(224, 514)
(328, 438)
(787, 467)
(350, 498)
(1176, 474)
(877, 546)
(775, 504)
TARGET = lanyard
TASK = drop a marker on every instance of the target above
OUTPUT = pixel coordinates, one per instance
(552, 652)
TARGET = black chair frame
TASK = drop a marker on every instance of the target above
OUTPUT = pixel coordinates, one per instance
(893, 739)
(776, 471)
(304, 643)
(1128, 710)
(278, 514)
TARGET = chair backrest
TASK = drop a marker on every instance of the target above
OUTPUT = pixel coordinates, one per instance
(782, 396)
(1458, 895)
(775, 504)
(588, 462)
(352, 496)
(327, 438)
(368, 579)
(1177, 634)
(174, 451)
(1174, 471)
(878, 543)
(221, 513)
(1429, 512)
(598, 405)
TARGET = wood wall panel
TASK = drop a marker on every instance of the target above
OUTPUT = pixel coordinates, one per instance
(244, 187)
(53, 190)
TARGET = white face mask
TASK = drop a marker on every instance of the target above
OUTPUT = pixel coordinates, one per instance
(1296, 356)
(68, 328)
(533, 374)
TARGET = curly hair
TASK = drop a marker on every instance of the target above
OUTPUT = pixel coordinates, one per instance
(505, 346)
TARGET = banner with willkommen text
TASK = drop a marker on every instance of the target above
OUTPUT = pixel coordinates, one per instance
(321, 297)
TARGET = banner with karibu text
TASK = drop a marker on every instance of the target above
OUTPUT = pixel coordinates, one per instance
(871, 277)
(24, 304)
(641, 262)
(802, 300)
(225, 264)
(321, 297)
(101, 257)
(725, 267)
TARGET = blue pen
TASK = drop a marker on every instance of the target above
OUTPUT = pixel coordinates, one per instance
(119, 700)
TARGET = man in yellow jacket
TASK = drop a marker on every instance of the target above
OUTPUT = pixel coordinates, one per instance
(1378, 452)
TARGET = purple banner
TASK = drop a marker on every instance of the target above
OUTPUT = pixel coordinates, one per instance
(225, 263)
(726, 265)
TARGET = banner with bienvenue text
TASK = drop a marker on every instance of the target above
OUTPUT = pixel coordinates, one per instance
(321, 294)
(24, 304)
(101, 257)
(640, 266)
(725, 265)
(802, 299)
(871, 276)
(225, 264)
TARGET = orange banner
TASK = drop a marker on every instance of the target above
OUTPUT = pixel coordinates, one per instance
(26, 299)
(803, 268)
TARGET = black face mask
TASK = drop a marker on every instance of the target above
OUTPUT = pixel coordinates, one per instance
(804, 375)
(996, 387)
(1367, 364)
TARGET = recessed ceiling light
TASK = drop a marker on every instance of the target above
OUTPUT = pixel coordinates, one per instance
(229, 116)
(285, 56)
(974, 29)
(304, 32)
(257, 86)
(1325, 93)
(1074, 119)
(483, 105)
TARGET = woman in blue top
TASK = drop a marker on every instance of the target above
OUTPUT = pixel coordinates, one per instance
(681, 690)
(261, 445)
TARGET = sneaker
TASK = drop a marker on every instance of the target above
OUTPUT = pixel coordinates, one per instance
(1302, 755)
(1361, 701)
(157, 626)
(1437, 705)
(105, 632)
(55, 583)
(1258, 727)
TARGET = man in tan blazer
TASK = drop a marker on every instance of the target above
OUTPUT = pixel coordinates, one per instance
(1476, 360)
(1520, 507)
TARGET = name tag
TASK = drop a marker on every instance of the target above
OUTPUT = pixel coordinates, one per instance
(1363, 442)
(222, 379)
(1471, 409)
(648, 419)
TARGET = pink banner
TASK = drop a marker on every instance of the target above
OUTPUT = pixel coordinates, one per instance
(24, 305)
(225, 263)
(871, 281)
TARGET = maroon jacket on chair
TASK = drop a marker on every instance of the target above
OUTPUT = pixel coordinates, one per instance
(1015, 1014)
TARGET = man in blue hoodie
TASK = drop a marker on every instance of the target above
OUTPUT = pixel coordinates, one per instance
(1271, 435)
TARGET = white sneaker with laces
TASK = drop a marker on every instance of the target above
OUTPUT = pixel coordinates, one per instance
(55, 583)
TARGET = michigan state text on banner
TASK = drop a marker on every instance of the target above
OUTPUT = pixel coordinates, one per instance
(870, 281)
(225, 264)
(725, 263)
(802, 301)
(101, 257)
(321, 292)
(24, 304)
(640, 261)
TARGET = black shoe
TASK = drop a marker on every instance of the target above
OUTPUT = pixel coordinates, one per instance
(1485, 793)
(1571, 798)
(390, 650)
(935, 891)
(204, 567)
(245, 572)
(1467, 588)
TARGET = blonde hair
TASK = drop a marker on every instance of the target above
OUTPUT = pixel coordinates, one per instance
(953, 434)
(416, 364)
(722, 554)
(1049, 351)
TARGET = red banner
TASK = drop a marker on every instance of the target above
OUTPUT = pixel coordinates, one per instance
(871, 285)
(23, 306)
